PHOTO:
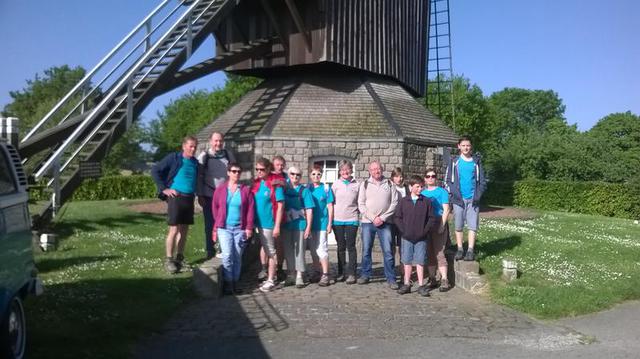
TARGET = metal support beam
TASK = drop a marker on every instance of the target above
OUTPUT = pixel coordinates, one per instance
(55, 197)
(297, 19)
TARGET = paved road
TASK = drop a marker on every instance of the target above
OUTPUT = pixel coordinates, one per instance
(371, 321)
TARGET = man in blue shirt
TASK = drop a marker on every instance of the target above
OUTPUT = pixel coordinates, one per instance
(175, 177)
(466, 183)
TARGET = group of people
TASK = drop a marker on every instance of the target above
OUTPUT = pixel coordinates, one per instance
(289, 217)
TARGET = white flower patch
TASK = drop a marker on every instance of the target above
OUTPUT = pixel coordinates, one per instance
(509, 227)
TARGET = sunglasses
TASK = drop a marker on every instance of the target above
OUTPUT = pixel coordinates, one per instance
(295, 174)
(430, 176)
(260, 169)
(235, 171)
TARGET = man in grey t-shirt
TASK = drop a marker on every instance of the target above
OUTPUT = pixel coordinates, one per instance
(212, 172)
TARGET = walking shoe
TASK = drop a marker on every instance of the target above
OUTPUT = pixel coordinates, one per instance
(406, 288)
(351, 279)
(263, 274)
(445, 285)
(267, 286)
(299, 282)
(289, 280)
(324, 280)
(470, 255)
(459, 254)
(432, 283)
(315, 277)
(424, 291)
(170, 265)
(363, 280)
(219, 255)
(281, 275)
(340, 278)
(393, 285)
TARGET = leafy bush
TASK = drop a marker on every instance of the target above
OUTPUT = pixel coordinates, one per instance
(599, 198)
(108, 187)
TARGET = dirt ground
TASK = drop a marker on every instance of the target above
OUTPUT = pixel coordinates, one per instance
(160, 207)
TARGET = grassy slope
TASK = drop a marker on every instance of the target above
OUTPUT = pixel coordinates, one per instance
(105, 286)
(571, 264)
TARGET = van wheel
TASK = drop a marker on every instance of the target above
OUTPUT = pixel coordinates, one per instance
(14, 331)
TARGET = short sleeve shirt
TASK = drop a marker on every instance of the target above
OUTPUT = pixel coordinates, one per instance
(438, 197)
(467, 173)
(322, 195)
(185, 179)
(295, 202)
(264, 207)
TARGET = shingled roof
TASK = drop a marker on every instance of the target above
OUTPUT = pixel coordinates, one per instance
(331, 105)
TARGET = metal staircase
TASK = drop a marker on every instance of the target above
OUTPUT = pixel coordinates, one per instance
(103, 105)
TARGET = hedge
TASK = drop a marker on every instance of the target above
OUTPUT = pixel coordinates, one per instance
(109, 187)
(598, 198)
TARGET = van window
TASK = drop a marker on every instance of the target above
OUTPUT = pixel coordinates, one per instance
(7, 185)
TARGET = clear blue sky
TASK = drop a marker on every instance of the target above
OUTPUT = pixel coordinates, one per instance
(585, 50)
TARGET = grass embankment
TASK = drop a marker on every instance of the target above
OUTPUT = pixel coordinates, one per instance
(105, 285)
(570, 264)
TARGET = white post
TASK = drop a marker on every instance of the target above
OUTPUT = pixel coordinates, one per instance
(55, 198)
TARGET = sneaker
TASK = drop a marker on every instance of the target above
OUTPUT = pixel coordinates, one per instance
(299, 282)
(289, 280)
(393, 285)
(180, 261)
(263, 274)
(170, 265)
(406, 288)
(267, 286)
(324, 280)
(340, 278)
(445, 285)
(281, 275)
(351, 279)
(315, 277)
(470, 256)
(363, 280)
(424, 291)
(219, 255)
(459, 254)
(432, 283)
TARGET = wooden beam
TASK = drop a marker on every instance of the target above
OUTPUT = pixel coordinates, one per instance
(274, 22)
(297, 19)
(222, 45)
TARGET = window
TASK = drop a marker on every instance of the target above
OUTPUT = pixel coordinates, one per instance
(330, 171)
(7, 185)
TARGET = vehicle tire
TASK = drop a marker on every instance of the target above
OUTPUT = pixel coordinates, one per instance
(13, 337)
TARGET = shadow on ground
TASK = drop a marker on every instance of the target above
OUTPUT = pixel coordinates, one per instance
(498, 246)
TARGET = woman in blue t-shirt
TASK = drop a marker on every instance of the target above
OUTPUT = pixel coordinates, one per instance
(439, 235)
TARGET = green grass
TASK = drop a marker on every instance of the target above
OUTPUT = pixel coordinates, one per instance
(570, 264)
(105, 286)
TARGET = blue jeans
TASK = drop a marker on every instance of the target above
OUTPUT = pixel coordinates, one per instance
(384, 235)
(232, 242)
(207, 213)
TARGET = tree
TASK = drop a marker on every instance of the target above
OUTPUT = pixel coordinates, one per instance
(34, 101)
(193, 111)
(127, 153)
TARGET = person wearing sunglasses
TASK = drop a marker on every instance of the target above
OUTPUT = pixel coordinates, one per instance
(298, 205)
(269, 199)
(321, 225)
(438, 237)
(233, 212)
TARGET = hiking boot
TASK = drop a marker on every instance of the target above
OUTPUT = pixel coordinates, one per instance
(340, 278)
(263, 274)
(470, 256)
(424, 291)
(445, 285)
(432, 283)
(267, 286)
(299, 282)
(363, 280)
(179, 261)
(393, 285)
(351, 279)
(289, 280)
(459, 254)
(170, 265)
(324, 280)
(406, 288)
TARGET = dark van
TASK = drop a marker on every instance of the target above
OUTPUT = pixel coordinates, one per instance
(18, 274)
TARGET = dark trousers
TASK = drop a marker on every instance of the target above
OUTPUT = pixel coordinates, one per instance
(208, 227)
(346, 240)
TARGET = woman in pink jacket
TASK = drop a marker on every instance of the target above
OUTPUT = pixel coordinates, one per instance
(233, 212)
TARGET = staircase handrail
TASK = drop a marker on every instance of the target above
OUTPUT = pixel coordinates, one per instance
(95, 69)
(115, 90)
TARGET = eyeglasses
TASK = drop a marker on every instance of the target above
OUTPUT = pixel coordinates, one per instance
(235, 171)
(295, 174)
(260, 169)
(316, 174)
(430, 176)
